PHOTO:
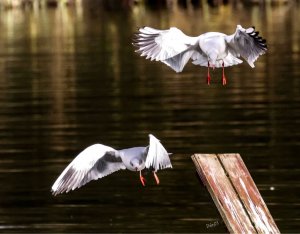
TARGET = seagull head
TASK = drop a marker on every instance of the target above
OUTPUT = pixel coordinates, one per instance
(137, 164)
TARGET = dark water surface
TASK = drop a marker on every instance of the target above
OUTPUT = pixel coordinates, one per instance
(69, 78)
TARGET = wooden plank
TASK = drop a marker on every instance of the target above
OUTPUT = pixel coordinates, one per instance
(248, 193)
(226, 199)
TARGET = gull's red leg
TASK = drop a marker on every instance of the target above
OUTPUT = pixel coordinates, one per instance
(224, 81)
(208, 75)
(156, 178)
(143, 180)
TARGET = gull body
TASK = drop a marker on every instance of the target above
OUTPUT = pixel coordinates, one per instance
(98, 160)
(211, 49)
(134, 158)
(214, 46)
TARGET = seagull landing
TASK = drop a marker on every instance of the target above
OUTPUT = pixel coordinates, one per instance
(211, 49)
(98, 161)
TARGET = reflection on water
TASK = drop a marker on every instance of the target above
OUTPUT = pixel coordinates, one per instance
(69, 78)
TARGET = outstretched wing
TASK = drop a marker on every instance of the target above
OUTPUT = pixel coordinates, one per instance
(171, 46)
(247, 43)
(93, 163)
(157, 157)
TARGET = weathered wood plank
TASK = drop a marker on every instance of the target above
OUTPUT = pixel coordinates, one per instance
(234, 193)
(248, 193)
(219, 186)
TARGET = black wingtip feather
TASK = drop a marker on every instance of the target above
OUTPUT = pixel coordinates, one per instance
(258, 39)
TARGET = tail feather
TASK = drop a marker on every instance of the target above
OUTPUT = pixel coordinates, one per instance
(228, 61)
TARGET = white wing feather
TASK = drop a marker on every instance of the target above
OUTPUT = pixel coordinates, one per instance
(157, 157)
(93, 163)
(171, 46)
(246, 43)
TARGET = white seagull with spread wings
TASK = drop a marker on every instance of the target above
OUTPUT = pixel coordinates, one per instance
(211, 49)
(99, 160)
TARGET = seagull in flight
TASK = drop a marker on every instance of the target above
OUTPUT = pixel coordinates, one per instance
(211, 49)
(98, 160)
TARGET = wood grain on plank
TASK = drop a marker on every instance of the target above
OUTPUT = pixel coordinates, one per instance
(226, 199)
(248, 193)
